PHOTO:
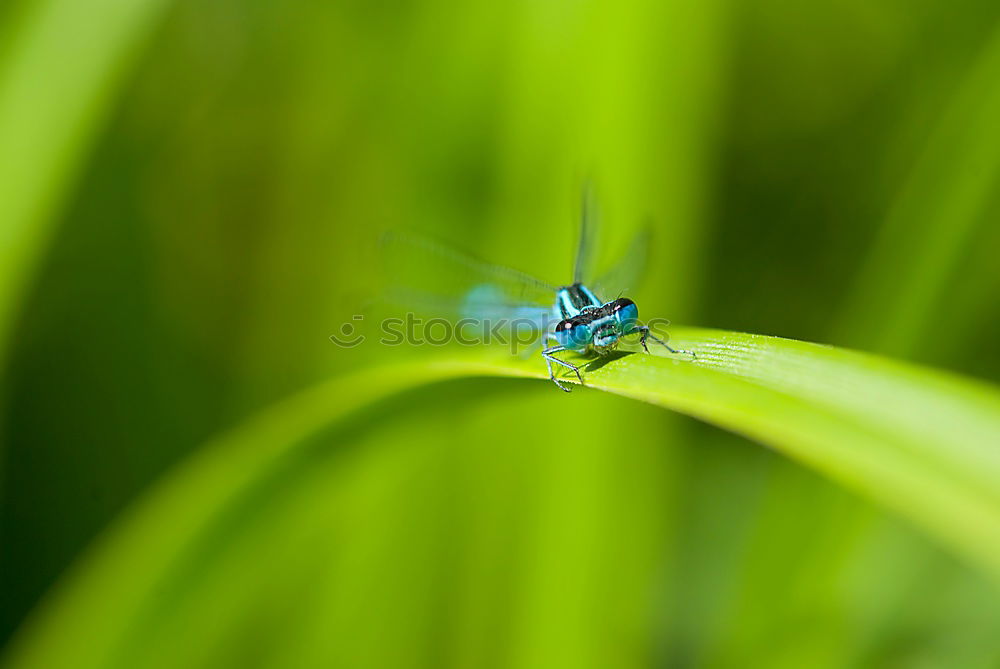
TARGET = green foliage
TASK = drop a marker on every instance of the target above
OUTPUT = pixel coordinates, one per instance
(916, 266)
(918, 441)
(60, 65)
(178, 240)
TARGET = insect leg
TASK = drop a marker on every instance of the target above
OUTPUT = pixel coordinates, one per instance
(646, 334)
(550, 358)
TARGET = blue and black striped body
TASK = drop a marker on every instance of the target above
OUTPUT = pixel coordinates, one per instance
(589, 325)
(572, 300)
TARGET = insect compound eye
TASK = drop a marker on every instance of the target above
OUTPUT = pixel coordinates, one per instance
(623, 303)
(580, 334)
(626, 312)
(572, 334)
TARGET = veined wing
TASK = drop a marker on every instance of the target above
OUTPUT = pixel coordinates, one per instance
(583, 267)
(435, 280)
(624, 277)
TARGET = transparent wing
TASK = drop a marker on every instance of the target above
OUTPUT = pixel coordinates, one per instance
(584, 266)
(625, 276)
(429, 278)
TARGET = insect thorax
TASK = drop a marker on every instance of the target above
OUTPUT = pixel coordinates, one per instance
(571, 300)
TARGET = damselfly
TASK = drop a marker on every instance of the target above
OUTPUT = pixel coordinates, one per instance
(584, 324)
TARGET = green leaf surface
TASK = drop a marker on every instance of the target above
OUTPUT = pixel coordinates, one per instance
(921, 442)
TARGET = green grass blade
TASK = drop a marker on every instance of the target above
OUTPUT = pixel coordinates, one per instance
(61, 62)
(918, 441)
(119, 578)
(921, 442)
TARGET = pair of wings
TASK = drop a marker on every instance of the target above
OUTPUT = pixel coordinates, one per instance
(435, 280)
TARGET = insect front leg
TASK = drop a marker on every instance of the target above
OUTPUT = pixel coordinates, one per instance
(646, 334)
(550, 358)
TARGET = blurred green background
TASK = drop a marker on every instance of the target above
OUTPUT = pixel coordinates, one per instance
(825, 171)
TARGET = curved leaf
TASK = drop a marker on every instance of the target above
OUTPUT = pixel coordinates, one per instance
(921, 442)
